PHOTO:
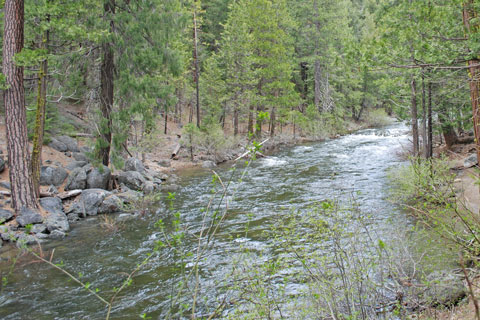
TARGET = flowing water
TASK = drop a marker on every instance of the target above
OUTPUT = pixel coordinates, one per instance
(294, 178)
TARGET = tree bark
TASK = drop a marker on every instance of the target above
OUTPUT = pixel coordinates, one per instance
(107, 86)
(424, 119)
(250, 118)
(474, 71)
(430, 123)
(317, 68)
(23, 193)
(273, 119)
(235, 120)
(40, 116)
(195, 62)
(414, 116)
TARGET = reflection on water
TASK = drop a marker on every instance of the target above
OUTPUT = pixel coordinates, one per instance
(294, 178)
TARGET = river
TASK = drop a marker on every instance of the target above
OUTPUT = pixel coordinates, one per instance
(293, 179)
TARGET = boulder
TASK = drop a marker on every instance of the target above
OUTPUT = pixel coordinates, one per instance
(2, 164)
(166, 163)
(72, 217)
(88, 203)
(98, 178)
(130, 196)
(208, 164)
(69, 142)
(132, 179)
(56, 219)
(111, 204)
(28, 216)
(39, 228)
(57, 235)
(148, 187)
(25, 239)
(50, 175)
(470, 161)
(444, 289)
(58, 145)
(75, 164)
(134, 164)
(79, 156)
(77, 179)
(170, 187)
(5, 215)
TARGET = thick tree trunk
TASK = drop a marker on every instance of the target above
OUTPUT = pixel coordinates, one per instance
(107, 82)
(474, 71)
(40, 117)
(424, 119)
(414, 116)
(430, 123)
(23, 193)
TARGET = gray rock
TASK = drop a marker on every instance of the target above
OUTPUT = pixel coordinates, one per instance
(208, 164)
(70, 143)
(75, 164)
(39, 228)
(134, 164)
(52, 189)
(79, 156)
(57, 235)
(58, 145)
(125, 217)
(6, 185)
(77, 179)
(444, 289)
(98, 178)
(72, 217)
(88, 203)
(166, 163)
(148, 187)
(28, 216)
(5, 215)
(170, 187)
(2, 164)
(52, 175)
(130, 196)
(172, 179)
(57, 221)
(52, 204)
(470, 161)
(7, 234)
(111, 204)
(25, 239)
(132, 179)
(41, 236)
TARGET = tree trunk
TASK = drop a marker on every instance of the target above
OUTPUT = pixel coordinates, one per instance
(474, 71)
(195, 61)
(317, 70)
(414, 117)
(235, 120)
(430, 123)
(272, 123)
(107, 82)
(424, 119)
(40, 117)
(250, 118)
(258, 122)
(23, 193)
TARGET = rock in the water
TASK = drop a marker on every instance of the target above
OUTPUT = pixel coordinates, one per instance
(444, 289)
(56, 220)
(2, 164)
(111, 204)
(76, 164)
(98, 178)
(89, 202)
(208, 164)
(125, 217)
(134, 164)
(70, 143)
(39, 228)
(25, 239)
(5, 215)
(132, 179)
(470, 161)
(6, 185)
(28, 216)
(77, 179)
(72, 217)
(170, 187)
(57, 235)
(52, 175)
(58, 145)
(166, 163)
(130, 196)
(79, 156)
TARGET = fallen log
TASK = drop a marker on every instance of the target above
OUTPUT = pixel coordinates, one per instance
(62, 195)
(176, 150)
(248, 151)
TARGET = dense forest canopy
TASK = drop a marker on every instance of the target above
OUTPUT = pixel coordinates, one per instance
(246, 67)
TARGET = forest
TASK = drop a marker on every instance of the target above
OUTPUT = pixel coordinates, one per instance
(115, 106)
